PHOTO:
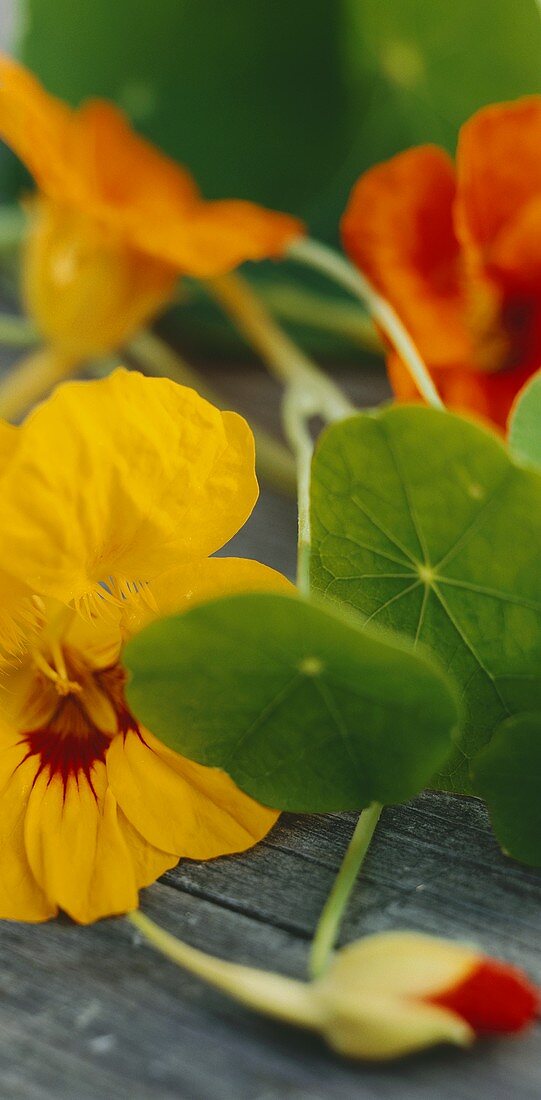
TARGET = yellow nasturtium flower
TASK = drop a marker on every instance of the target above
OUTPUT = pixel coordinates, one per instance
(115, 221)
(115, 494)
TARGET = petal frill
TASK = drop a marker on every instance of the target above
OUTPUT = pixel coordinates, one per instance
(398, 228)
(20, 618)
(498, 169)
(187, 585)
(143, 473)
(21, 897)
(76, 848)
(180, 806)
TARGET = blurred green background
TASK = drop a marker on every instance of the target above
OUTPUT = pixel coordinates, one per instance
(284, 101)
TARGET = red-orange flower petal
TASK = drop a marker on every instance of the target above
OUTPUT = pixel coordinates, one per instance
(398, 227)
(498, 168)
(490, 396)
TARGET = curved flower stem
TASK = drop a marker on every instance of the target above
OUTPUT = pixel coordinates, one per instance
(331, 915)
(300, 306)
(297, 408)
(271, 994)
(30, 380)
(275, 464)
(336, 267)
(285, 360)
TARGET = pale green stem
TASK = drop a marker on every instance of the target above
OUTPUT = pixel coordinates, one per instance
(304, 307)
(271, 994)
(17, 332)
(331, 916)
(296, 411)
(326, 260)
(285, 360)
(274, 462)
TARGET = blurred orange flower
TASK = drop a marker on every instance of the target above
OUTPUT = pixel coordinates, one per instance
(458, 254)
(115, 221)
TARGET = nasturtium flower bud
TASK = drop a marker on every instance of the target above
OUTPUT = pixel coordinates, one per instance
(395, 993)
(381, 997)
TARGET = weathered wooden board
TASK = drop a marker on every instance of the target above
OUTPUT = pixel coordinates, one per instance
(88, 1013)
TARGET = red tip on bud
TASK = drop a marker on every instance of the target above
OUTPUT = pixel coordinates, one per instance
(493, 998)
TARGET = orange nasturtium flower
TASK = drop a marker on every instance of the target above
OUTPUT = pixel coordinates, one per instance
(115, 494)
(458, 254)
(115, 221)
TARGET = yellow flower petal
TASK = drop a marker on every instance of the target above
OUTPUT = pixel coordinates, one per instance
(20, 618)
(187, 585)
(21, 898)
(148, 861)
(180, 806)
(116, 480)
(9, 438)
(76, 849)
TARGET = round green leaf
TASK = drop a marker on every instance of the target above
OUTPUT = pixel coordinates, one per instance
(525, 425)
(304, 711)
(507, 775)
(423, 524)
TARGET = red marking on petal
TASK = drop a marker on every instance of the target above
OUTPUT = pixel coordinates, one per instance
(493, 998)
(69, 744)
(112, 680)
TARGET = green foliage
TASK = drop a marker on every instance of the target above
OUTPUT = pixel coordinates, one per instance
(507, 775)
(304, 711)
(525, 426)
(422, 523)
